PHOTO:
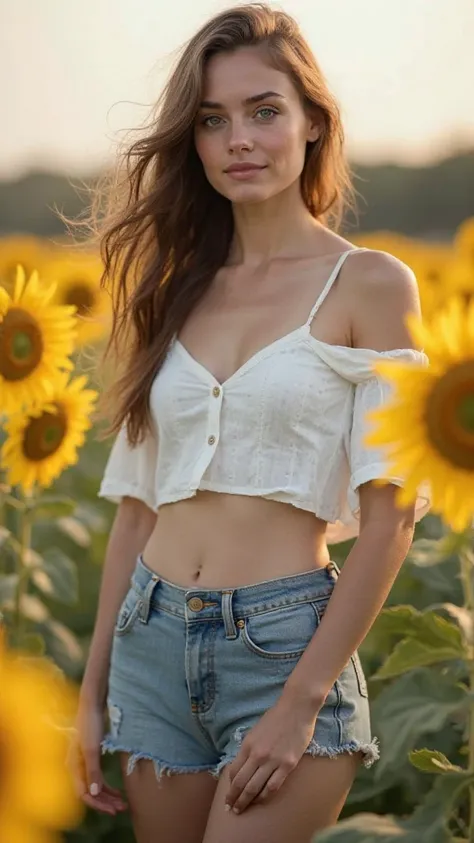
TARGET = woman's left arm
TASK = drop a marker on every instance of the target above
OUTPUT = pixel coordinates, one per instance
(386, 291)
(383, 291)
(360, 592)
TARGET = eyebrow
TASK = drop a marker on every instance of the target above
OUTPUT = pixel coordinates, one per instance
(249, 101)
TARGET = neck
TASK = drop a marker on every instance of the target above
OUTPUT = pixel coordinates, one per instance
(280, 227)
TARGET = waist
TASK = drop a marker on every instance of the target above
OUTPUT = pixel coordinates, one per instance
(233, 540)
(212, 603)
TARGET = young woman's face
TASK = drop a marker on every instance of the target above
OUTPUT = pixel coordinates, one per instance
(251, 114)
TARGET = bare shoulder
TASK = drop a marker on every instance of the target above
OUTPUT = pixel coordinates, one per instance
(381, 290)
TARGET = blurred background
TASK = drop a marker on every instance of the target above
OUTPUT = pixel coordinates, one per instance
(75, 78)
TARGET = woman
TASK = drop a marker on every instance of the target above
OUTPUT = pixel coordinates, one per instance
(229, 663)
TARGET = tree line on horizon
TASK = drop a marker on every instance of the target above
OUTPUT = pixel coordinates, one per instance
(420, 201)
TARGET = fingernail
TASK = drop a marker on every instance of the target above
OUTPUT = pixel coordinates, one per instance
(94, 789)
(228, 807)
(236, 810)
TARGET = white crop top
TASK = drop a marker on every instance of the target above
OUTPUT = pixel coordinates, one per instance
(287, 425)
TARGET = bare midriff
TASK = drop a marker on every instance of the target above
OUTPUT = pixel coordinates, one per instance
(217, 540)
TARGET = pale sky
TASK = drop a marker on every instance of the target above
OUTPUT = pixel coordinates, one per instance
(76, 74)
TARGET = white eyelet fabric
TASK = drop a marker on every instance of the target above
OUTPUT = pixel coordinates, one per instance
(287, 425)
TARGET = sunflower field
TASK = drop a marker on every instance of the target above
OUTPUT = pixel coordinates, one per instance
(418, 656)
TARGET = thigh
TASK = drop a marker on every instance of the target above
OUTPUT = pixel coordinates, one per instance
(173, 811)
(310, 800)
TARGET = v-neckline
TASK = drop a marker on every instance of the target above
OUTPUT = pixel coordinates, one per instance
(302, 329)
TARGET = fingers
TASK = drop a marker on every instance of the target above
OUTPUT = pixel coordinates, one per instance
(89, 783)
(247, 785)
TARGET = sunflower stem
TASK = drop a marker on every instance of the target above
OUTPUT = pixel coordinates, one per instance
(467, 566)
(23, 573)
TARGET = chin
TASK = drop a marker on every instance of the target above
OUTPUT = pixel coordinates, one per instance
(242, 193)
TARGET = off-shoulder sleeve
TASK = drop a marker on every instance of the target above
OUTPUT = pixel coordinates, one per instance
(131, 471)
(366, 462)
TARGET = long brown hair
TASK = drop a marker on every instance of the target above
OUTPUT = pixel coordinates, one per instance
(166, 231)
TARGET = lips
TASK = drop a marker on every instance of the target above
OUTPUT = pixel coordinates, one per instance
(243, 168)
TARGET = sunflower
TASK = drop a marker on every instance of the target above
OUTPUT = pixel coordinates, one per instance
(44, 440)
(439, 273)
(399, 245)
(464, 242)
(37, 711)
(36, 338)
(427, 427)
(78, 283)
(29, 251)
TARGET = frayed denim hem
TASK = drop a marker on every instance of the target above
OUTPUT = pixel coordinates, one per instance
(161, 767)
(371, 751)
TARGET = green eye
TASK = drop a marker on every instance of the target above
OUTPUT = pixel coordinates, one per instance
(270, 111)
(205, 121)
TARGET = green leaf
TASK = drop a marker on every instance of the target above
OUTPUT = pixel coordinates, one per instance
(463, 618)
(397, 620)
(75, 530)
(8, 586)
(63, 646)
(432, 761)
(406, 711)
(427, 626)
(4, 535)
(409, 654)
(33, 644)
(52, 506)
(89, 515)
(363, 828)
(32, 558)
(34, 609)
(57, 576)
(428, 638)
(428, 824)
(428, 552)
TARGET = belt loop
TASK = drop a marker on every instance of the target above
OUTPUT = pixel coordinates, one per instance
(332, 566)
(230, 628)
(145, 601)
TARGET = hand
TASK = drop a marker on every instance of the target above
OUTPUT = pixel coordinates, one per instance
(84, 762)
(270, 751)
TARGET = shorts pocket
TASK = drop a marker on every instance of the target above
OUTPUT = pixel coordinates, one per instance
(128, 613)
(359, 672)
(285, 632)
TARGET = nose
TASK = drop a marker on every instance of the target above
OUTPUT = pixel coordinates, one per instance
(239, 137)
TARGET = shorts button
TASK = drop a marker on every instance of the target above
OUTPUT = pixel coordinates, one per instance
(241, 624)
(195, 604)
(211, 440)
(216, 391)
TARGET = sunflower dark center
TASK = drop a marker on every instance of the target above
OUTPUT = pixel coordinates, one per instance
(81, 295)
(466, 413)
(21, 344)
(450, 416)
(43, 435)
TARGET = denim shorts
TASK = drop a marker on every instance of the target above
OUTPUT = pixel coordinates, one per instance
(193, 669)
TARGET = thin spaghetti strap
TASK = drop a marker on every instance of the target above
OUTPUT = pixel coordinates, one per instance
(330, 282)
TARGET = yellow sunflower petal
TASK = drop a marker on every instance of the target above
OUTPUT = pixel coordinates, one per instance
(426, 430)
